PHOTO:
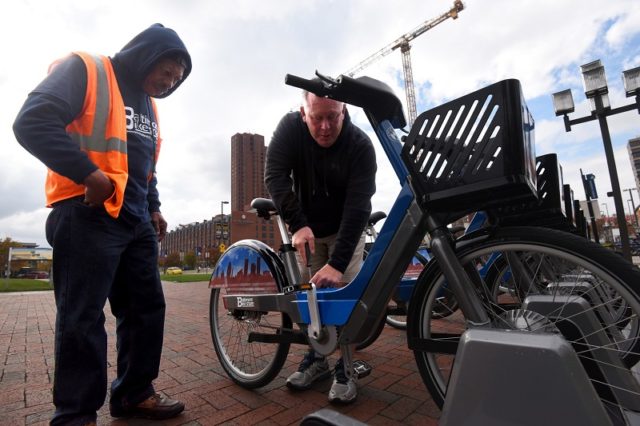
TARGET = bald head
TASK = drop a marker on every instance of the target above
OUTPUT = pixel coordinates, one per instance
(324, 118)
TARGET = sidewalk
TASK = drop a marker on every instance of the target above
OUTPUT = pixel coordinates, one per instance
(392, 395)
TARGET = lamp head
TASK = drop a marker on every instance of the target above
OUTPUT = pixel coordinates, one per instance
(563, 102)
(631, 80)
(594, 79)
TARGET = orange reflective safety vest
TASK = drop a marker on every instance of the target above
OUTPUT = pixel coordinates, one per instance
(100, 131)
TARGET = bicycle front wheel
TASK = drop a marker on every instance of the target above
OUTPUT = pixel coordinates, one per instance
(249, 364)
(516, 263)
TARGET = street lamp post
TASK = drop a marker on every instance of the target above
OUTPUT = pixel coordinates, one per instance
(222, 221)
(596, 90)
(633, 205)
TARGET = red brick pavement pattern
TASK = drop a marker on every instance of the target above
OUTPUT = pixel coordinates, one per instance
(392, 395)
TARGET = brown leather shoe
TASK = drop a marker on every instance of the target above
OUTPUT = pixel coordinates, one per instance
(156, 407)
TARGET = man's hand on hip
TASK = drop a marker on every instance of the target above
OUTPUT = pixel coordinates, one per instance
(97, 189)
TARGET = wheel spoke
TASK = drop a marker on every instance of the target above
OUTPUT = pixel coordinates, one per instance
(587, 294)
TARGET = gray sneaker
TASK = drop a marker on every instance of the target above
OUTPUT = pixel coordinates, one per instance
(311, 369)
(343, 389)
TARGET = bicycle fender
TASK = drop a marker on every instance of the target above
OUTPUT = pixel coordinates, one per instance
(249, 267)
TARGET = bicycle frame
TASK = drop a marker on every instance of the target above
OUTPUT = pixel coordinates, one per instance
(364, 300)
(407, 283)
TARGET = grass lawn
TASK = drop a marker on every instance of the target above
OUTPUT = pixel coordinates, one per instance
(19, 284)
(185, 278)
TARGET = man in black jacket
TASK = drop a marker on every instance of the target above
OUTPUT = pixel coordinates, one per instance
(320, 173)
(93, 123)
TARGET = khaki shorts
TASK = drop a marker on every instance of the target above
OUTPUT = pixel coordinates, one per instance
(324, 249)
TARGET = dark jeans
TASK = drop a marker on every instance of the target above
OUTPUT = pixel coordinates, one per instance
(96, 257)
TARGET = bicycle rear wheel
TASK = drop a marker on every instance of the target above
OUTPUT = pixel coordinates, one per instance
(550, 264)
(249, 364)
(397, 315)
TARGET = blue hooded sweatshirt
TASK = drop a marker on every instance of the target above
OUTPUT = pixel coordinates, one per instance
(58, 99)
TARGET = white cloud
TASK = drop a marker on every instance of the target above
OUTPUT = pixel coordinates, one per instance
(627, 24)
(242, 49)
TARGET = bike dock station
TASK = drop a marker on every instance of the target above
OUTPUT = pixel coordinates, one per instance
(509, 324)
(498, 374)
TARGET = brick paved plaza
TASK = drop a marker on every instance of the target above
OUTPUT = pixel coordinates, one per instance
(392, 395)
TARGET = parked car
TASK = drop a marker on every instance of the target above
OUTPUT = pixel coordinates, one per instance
(31, 274)
(174, 270)
(38, 275)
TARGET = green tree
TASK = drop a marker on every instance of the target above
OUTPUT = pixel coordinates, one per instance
(4, 253)
(172, 259)
(190, 260)
(214, 255)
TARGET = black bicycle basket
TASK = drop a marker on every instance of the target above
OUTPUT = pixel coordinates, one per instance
(474, 152)
(549, 209)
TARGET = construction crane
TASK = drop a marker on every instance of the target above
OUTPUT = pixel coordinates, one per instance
(403, 44)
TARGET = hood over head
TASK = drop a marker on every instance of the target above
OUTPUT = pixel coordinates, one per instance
(144, 50)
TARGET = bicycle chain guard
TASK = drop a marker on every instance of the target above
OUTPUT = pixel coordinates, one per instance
(328, 341)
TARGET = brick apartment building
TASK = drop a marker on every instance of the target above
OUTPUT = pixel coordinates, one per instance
(248, 153)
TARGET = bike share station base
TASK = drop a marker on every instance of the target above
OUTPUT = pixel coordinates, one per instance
(522, 378)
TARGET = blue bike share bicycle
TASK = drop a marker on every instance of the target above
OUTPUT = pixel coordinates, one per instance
(552, 209)
(471, 154)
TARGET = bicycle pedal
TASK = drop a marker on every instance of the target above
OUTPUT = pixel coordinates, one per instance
(361, 368)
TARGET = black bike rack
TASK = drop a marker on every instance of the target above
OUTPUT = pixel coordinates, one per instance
(540, 372)
(549, 210)
(476, 153)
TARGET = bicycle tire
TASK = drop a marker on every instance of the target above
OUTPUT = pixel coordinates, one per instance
(398, 320)
(249, 364)
(556, 253)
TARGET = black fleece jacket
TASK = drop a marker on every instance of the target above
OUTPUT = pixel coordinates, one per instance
(58, 99)
(327, 189)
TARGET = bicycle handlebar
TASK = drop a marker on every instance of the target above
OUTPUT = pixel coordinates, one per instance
(372, 95)
(314, 86)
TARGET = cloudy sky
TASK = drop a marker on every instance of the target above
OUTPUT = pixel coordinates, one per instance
(242, 49)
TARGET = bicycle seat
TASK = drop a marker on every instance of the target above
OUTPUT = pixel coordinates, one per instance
(374, 96)
(264, 207)
(376, 217)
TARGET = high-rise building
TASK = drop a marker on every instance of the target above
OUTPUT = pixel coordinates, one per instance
(634, 155)
(248, 155)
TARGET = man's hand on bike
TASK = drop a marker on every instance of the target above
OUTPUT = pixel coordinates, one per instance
(301, 237)
(327, 277)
